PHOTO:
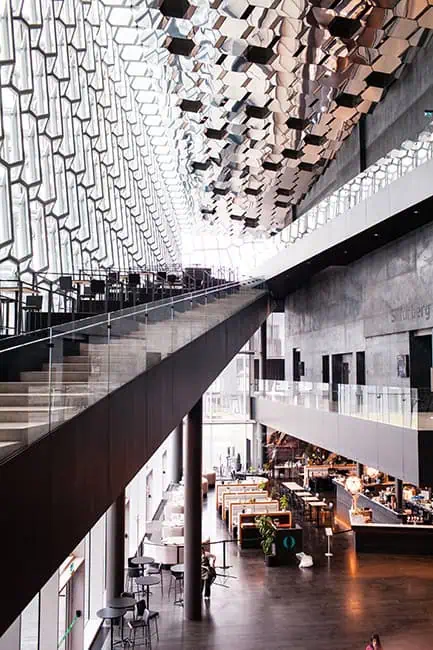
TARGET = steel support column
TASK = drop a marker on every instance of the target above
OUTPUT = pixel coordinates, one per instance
(193, 515)
(116, 547)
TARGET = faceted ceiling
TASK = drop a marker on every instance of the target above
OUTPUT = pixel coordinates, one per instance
(255, 97)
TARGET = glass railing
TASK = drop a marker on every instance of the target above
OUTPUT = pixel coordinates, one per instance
(387, 404)
(79, 363)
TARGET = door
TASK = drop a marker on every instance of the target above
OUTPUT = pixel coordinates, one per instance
(360, 368)
(64, 617)
(248, 453)
(149, 501)
(325, 369)
(296, 364)
(345, 371)
(337, 374)
(165, 480)
(420, 348)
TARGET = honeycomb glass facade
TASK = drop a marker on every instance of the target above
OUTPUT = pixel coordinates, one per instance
(82, 183)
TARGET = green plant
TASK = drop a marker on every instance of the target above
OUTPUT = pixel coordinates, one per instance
(266, 467)
(267, 532)
(284, 502)
(261, 485)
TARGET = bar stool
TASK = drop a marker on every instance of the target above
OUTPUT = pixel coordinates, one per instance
(142, 622)
(155, 569)
(177, 572)
(133, 573)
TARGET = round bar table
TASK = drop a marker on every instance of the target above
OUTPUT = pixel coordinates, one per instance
(147, 581)
(141, 560)
(110, 614)
(122, 602)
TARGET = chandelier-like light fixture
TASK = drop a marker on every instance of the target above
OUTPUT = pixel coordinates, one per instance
(353, 484)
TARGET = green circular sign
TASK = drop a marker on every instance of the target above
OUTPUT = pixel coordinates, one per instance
(289, 542)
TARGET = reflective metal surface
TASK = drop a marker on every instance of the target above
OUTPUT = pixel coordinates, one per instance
(261, 94)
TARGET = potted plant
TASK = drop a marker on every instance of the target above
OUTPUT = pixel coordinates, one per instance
(284, 502)
(267, 532)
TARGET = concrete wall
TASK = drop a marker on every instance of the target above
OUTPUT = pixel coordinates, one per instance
(370, 306)
(399, 117)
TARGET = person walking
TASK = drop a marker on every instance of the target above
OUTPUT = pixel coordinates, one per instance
(208, 573)
(375, 643)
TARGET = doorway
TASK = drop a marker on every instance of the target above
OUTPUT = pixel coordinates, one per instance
(149, 500)
(420, 355)
(165, 478)
(325, 369)
(360, 368)
(296, 364)
(64, 617)
(248, 453)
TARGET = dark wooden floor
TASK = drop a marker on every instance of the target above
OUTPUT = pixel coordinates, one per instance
(335, 605)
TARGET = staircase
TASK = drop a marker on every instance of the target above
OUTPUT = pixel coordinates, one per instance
(43, 399)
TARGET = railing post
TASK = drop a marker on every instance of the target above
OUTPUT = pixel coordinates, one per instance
(109, 351)
(50, 375)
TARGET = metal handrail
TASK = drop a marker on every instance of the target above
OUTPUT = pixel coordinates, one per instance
(133, 311)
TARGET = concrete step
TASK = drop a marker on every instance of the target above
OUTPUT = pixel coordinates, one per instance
(81, 359)
(35, 414)
(9, 447)
(43, 376)
(43, 399)
(69, 367)
(30, 387)
(23, 432)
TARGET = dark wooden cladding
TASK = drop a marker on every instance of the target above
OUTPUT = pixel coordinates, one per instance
(56, 490)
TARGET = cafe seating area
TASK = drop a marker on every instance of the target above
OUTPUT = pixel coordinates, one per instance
(131, 619)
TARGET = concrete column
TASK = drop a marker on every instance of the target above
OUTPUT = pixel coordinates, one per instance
(399, 494)
(116, 547)
(264, 350)
(193, 516)
(362, 132)
(359, 470)
(264, 375)
(177, 463)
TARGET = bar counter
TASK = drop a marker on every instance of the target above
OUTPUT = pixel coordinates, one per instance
(386, 534)
(408, 539)
(381, 513)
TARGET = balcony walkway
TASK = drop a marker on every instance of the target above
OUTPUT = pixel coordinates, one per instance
(375, 426)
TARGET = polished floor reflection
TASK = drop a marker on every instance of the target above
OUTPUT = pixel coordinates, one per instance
(336, 604)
